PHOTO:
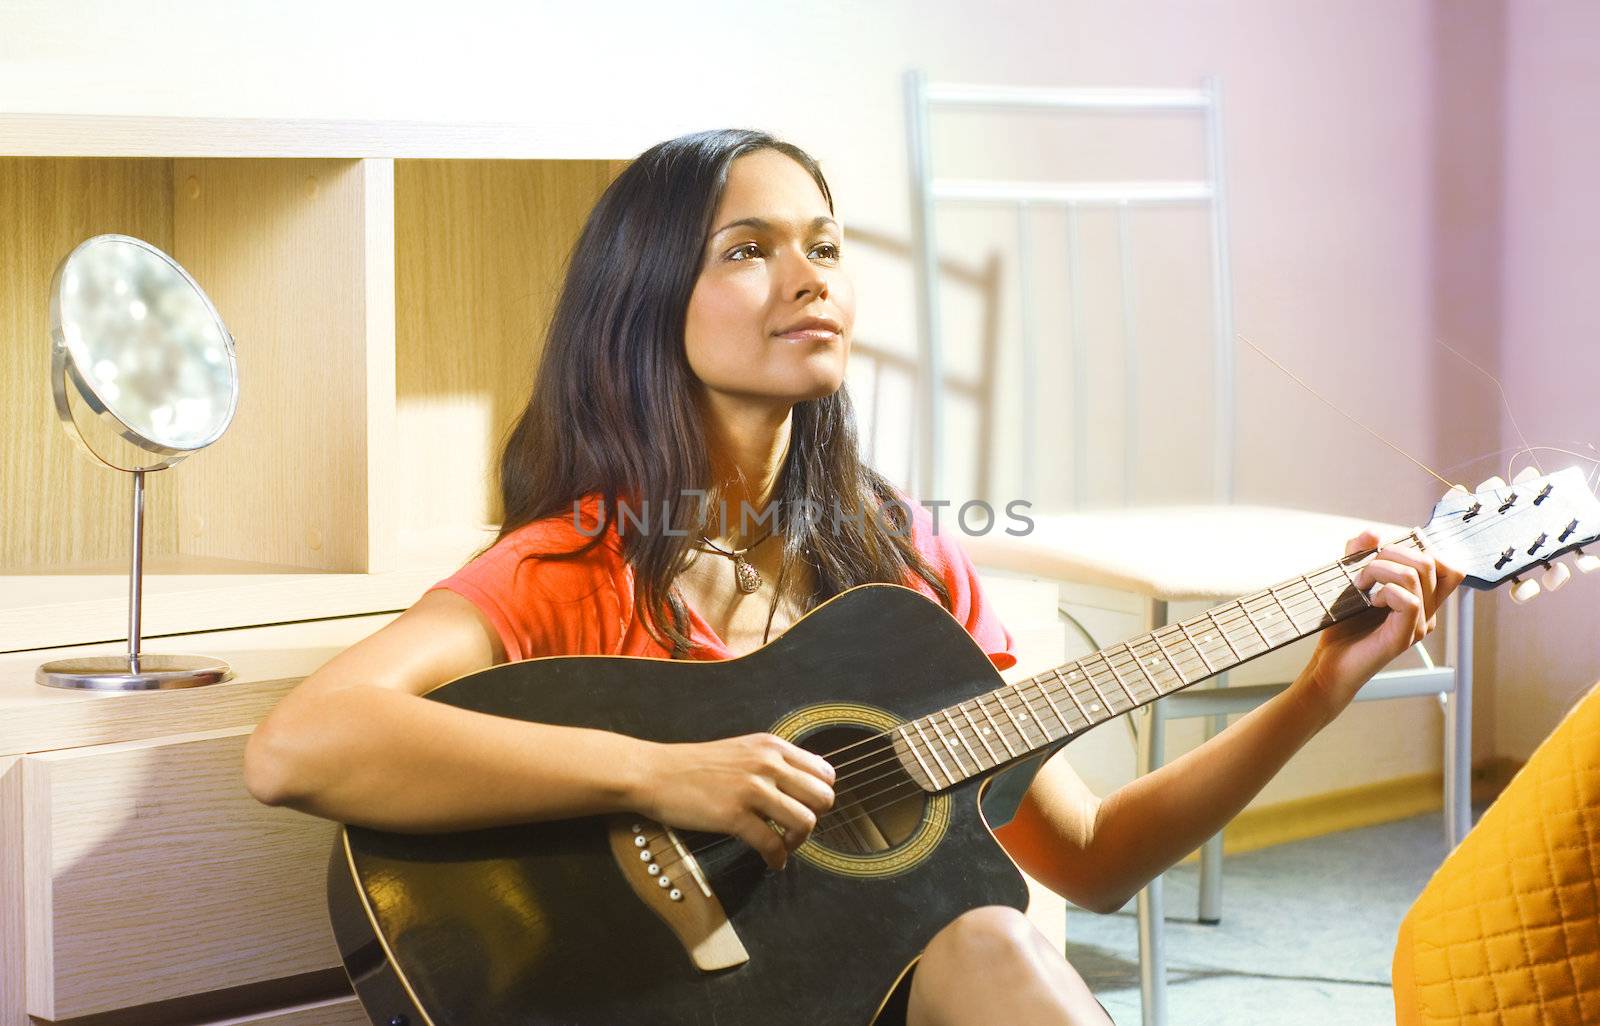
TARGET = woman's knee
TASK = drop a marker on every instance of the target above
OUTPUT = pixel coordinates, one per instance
(987, 938)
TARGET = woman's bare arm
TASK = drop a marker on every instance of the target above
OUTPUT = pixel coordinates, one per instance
(357, 742)
(1097, 853)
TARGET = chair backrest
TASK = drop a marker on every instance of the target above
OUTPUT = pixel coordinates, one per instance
(1025, 198)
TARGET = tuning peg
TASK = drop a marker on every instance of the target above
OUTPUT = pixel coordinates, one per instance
(1554, 577)
(1586, 563)
(1524, 591)
(1494, 484)
(1527, 473)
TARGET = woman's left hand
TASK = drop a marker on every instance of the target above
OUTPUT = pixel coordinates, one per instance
(1350, 652)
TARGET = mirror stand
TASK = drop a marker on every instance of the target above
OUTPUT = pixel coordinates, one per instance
(134, 672)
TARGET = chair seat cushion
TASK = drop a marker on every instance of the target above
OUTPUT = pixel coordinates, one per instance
(1175, 553)
(1508, 930)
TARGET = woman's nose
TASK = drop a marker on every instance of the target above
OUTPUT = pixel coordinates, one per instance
(806, 279)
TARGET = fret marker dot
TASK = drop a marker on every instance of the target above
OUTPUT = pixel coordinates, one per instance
(1095, 706)
(986, 731)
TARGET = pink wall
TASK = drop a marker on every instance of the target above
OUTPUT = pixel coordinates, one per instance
(1548, 652)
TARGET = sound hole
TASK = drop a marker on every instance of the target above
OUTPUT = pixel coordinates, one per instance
(876, 804)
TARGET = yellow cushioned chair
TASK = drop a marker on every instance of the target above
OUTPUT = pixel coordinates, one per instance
(1508, 930)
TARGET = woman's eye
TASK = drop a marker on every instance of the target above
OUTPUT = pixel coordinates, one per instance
(829, 250)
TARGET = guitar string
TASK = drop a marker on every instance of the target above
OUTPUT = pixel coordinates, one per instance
(1263, 594)
(1053, 689)
(1194, 622)
(1155, 692)
(845, 814)
(1235, 614)
(1051, 684)
(1131, 660)
(1046, 691)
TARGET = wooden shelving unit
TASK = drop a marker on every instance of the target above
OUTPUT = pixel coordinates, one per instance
(388, 286)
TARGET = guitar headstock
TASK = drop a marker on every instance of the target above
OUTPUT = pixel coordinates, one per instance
(1505, 531)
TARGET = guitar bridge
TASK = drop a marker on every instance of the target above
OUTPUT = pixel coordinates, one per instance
(667, 878)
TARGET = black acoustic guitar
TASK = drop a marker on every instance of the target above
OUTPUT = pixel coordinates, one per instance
(616, 920)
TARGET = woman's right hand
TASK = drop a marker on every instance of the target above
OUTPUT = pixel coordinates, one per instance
(735, 786)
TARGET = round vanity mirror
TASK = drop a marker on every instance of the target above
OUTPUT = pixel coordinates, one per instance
(144, 375)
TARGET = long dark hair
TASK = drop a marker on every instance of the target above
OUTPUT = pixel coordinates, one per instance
(614, 408)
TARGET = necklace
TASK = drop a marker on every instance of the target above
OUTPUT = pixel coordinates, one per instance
(746, 575)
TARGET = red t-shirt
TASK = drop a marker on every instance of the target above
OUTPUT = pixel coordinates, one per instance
(584, 605)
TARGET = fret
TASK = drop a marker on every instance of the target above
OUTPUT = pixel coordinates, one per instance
(1148, 681)
(1067, 685)
(960, 737)
(1182, 677)
(1316, 595)
(934, 751)
(1092, 712)
(1148, 665)
(1026, 715)
(948, 745)
(1118, 678)
(1065, 727)
(1100, 706)
(999, 731)
(979, 732)
(1285, 609)
(1233, 651)
(901, 730)
(1353, 585)
(1263, 634)
(1197, 649)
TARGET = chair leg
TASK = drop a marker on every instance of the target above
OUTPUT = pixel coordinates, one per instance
(1210, 910)
(1150, 906)
(1151, 750)
(1210, 904)
(1458, 721)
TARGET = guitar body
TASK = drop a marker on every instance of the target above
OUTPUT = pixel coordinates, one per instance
(538, 924)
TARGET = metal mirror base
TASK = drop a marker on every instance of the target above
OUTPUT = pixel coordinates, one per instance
(147, 673)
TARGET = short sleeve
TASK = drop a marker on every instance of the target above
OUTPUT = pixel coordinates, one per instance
(938, 545)
(546, 606)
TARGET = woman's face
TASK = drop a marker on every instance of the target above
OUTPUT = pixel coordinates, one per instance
(772, 264)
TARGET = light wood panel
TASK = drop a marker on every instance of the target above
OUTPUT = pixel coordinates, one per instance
(266, 661)
(152, 851)
(480, 253)
(62, 506)
(74, 135)
(280, 248)
(56, 611)
(337, 1012)
(12, 1010)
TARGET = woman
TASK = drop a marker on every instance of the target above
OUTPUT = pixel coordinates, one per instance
(700, 344)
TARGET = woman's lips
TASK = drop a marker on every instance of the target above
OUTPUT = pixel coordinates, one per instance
(810, 335)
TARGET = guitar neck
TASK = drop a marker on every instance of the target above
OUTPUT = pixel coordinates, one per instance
(984, 734)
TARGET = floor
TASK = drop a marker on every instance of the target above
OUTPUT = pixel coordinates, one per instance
(1306, 937)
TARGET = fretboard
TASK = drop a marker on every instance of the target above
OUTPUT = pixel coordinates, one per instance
(983, 734)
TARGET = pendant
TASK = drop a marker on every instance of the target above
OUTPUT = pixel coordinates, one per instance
(747, 576)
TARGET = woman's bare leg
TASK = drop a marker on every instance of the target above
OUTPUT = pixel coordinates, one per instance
(990, 966)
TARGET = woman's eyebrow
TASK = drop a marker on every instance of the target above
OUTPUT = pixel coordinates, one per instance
(764, 225)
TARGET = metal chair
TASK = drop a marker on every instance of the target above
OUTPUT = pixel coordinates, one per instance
(1070, 547)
